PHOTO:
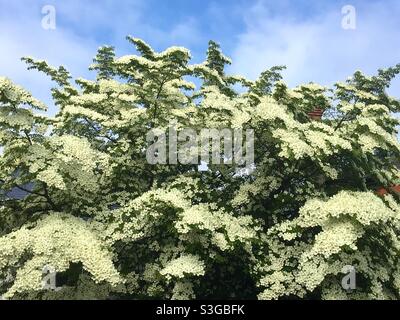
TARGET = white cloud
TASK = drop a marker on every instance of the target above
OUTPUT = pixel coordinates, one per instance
(81, 27)
(22, 35)
(316, 48)
(312, 44)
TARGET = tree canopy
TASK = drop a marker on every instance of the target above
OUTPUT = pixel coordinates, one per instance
(113, 225)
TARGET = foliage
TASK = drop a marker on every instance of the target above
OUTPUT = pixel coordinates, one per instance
(114, 226)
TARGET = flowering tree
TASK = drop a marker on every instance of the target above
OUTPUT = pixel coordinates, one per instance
(113, 225)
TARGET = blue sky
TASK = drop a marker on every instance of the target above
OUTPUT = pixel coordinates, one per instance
(304, 35)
